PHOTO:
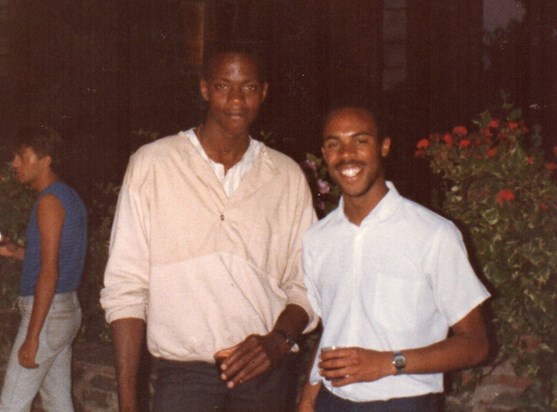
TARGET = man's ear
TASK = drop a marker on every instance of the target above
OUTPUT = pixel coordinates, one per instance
(204, 89)
(46, 161)
(385, 146)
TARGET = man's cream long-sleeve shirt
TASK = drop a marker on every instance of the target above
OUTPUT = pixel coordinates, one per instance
(203, 269)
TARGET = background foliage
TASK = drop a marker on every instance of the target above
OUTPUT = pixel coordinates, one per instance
(15, 205)
(497, 185)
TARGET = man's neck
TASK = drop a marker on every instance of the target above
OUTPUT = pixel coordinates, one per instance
(44, 181)
(226, 149)
(357, 208)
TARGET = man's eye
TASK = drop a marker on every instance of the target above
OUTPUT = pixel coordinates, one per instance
(250, 87)
(220, 86)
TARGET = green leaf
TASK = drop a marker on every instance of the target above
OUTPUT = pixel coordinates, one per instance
(491, 216)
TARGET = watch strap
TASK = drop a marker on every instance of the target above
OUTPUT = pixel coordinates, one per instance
(290, 341)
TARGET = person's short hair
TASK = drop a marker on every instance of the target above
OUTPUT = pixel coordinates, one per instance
(44, 141)
(377, 115)
(248, 48)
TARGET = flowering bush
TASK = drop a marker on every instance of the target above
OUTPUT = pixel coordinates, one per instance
(326, 193)
(499, 187)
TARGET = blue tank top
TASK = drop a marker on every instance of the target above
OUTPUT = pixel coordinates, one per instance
(73, 243)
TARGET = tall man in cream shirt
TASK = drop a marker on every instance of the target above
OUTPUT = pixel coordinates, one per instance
(206, 254)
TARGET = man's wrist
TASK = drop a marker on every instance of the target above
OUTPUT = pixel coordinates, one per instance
(398, 362)
(287, 338)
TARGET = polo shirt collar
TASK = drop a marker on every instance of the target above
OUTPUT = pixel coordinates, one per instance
(386, 206)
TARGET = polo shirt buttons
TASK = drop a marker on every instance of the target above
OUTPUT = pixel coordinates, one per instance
(221, 217)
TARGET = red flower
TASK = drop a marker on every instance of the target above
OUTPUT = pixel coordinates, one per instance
(505, 195)
(543, 206)
(487, 133)
(513, 125)
(530, 160)
(493, 123)
(491, 152)
(448, 139)
(460, 131)
(551, 166)
(464, 143)
(423, 144)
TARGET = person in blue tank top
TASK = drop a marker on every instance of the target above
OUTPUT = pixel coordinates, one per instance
(53, 259)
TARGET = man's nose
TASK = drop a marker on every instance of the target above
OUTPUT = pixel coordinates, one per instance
(236, 93)
(347, 150)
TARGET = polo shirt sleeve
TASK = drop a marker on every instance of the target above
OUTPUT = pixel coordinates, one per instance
(126, 275)
(457, 289)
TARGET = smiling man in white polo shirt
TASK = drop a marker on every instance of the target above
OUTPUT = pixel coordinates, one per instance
(389, 278)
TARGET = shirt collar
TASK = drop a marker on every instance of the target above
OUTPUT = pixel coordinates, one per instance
(382, 210)
(247, 159)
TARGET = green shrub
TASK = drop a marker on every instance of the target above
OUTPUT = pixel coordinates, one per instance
(498, 186)
(16, 202)
(101, 214)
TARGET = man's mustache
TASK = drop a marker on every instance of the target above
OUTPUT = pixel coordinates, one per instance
(343, 163)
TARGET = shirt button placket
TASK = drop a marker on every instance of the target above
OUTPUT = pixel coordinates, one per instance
(357, 272)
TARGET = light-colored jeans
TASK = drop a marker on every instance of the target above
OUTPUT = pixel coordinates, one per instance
(52, 379)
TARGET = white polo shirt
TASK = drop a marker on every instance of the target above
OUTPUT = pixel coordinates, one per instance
(397, 281)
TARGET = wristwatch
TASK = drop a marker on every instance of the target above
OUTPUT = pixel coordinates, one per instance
(290, 341)
(399, 362)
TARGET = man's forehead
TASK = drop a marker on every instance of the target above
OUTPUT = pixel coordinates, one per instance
(353, 121)
(221, 60)
(24, 149)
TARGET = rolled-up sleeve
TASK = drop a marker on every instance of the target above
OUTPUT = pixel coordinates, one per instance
(126, 277)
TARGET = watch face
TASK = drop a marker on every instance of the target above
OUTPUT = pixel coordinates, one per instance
(399, 361)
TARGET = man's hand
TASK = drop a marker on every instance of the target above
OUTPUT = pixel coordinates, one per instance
(254, 356)
(9, 248)
(27, 353)
(344, 366)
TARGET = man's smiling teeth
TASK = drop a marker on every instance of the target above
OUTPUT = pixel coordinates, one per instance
(350, 171)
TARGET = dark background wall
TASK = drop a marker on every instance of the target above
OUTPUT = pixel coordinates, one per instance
(102, 71)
